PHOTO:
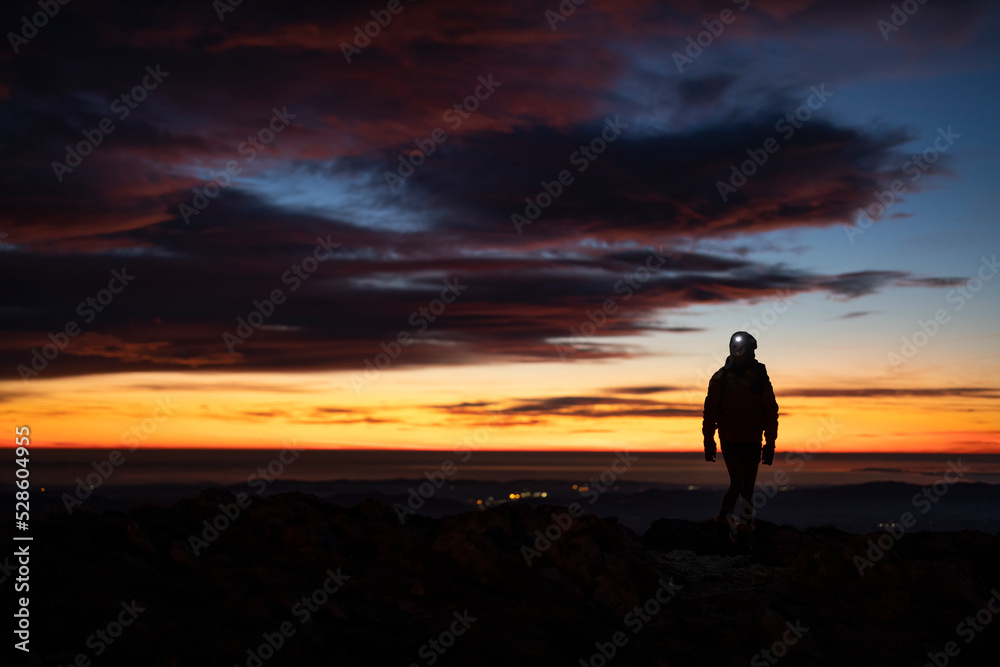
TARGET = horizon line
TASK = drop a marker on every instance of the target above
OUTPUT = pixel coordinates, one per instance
(63, 447)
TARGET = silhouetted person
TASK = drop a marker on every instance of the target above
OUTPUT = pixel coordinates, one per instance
(741, 404)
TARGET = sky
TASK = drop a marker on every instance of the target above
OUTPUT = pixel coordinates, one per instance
(523, 225)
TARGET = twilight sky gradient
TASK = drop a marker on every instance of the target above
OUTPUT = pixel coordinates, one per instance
(309, 137)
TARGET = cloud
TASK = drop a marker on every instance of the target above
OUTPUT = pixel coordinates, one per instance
(650, 389)
(860, 283)
(890, 392)
(581, 406)
(597, 407)
(323, 177)
(518, 307)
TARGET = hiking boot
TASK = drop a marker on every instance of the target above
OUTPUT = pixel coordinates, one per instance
(729, 523)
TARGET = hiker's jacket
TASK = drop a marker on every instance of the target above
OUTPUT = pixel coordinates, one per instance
(741, 404)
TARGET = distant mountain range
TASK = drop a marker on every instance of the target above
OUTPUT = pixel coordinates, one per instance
(857, 508)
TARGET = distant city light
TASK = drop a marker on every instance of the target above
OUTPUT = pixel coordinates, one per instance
(513, 495)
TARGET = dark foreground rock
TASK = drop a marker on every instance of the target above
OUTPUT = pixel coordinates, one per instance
(293, 580)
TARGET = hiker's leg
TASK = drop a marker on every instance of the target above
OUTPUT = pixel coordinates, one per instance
(750, 456)
(734, 465)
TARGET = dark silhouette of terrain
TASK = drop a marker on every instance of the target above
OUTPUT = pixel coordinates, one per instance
(464, 582)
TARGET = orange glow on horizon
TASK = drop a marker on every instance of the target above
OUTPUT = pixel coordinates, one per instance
(321, 411)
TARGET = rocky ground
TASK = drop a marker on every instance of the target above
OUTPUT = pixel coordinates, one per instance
(293, 580)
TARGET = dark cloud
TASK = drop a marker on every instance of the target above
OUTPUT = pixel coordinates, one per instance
(174, 313)
(651, 389)
(859, 283)
(581, 406)
(542, 409)
(874, 392)
(322, 177)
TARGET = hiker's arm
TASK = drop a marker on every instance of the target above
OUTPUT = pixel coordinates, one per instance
(770, 411)
(709, 413)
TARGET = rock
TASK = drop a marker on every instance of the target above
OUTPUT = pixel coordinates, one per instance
(402, 584)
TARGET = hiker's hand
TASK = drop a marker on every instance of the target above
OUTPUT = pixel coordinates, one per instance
(767, 455)
(710, 450)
